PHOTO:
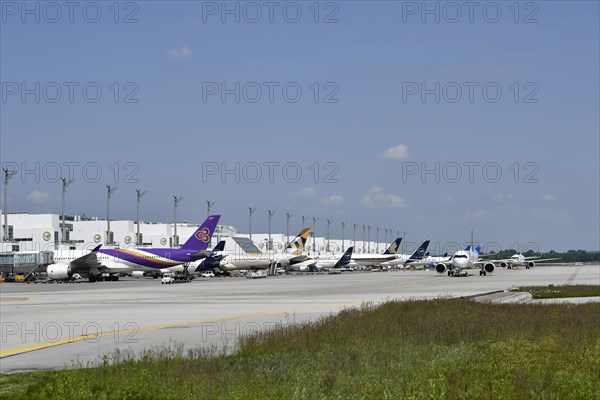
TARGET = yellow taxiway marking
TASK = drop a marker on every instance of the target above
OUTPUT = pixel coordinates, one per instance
(10, 299)
(44, 345)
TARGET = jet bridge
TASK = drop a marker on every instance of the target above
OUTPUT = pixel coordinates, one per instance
(26, 262)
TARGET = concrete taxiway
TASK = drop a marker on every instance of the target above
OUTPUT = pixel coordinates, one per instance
(52, 326)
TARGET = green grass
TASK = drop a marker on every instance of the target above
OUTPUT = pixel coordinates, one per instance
(554, 292)
(441, 349)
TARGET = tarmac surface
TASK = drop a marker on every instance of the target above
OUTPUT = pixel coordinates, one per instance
(67, 325)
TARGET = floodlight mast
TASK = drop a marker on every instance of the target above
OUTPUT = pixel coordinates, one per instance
(139, 194)
(176, 200)
(250, 212)
(110, 189)
(7, 174)
(65, 184)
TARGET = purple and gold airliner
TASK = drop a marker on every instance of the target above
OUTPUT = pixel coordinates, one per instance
(109, 262)
(153, 259)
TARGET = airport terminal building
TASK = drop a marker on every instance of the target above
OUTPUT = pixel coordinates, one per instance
(44, 232)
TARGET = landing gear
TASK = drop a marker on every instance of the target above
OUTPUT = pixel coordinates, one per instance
(482, 272)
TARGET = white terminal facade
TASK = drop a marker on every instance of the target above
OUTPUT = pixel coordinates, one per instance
(42, 232)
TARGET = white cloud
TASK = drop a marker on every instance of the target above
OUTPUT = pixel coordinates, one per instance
(333, 199)
(376, 197)
(549, 197)
(502, 196)
(39, 198)
(399, 152)
(183, 52)
(308, 191)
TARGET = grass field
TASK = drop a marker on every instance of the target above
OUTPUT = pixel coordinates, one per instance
(554, 292)
(441, 349)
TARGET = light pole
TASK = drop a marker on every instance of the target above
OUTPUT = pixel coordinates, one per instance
(363, 244)
(287, 227)
(377, 245)
(110, 189)
(139, 193)
(270, 245)
(354, 235)
(268, 253)
(472, 252)
(176, 200)
(329, 221)
(8, 173)
(209, 205)
(250, 212)
(343, 226)
(65, 184)
(368, 238)
(403, 242)
(313, 232)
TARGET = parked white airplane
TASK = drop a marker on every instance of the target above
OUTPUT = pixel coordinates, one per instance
(222, 262)
(408, 259)
(519, 260)
(317, 265)
(376, 259)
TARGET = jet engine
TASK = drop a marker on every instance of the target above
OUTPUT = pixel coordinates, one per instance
(489, 267)
(59, 271)
(441, 268)
(504, 264)
(531, 264)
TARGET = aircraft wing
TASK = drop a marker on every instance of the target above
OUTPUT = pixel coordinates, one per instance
(488, 255)
(298, 259)
(427, 262)
(305, 263)
(541, 259)
(200, 253)
(86, 262)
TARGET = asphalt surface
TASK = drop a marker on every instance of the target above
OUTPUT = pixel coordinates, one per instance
(54, 326)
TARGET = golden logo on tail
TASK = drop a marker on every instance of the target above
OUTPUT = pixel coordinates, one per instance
(203, 234)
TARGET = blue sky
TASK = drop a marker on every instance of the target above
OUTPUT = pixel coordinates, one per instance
(365, 132)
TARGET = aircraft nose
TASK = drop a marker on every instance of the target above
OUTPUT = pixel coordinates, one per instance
(461, 262)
